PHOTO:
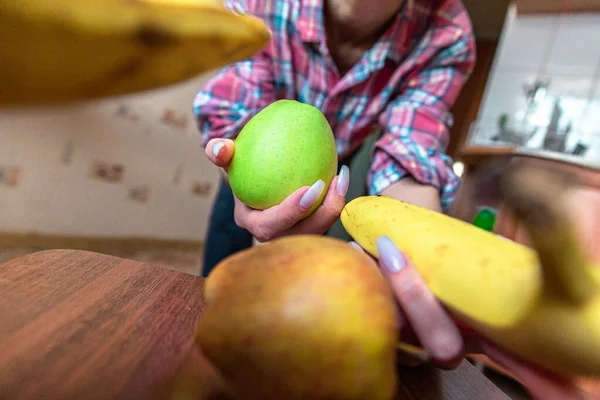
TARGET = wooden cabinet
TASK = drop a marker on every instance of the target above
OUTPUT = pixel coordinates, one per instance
(557, 6)
(465, 206)
(583, 202)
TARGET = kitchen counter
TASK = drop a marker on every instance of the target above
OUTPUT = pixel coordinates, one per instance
(475, 155)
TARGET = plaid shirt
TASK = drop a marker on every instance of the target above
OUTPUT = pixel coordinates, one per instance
(406, 84)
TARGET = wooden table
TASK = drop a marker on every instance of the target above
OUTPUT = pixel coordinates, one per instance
(80, 325)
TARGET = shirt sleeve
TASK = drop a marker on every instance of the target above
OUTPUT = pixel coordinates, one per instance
(232, 97)
(416, 122)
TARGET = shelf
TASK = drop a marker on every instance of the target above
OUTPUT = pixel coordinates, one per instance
(476, 155)
(557, 6)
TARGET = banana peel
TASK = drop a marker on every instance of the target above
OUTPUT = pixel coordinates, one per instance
(541, 304)
(57, 51)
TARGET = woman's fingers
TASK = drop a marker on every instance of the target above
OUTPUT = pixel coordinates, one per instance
(288, 217)
(329, 211)
(271, 223)
(541, 385)
(430, 322)
(220, 152)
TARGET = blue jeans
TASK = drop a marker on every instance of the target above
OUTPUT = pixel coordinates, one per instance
(223, 237)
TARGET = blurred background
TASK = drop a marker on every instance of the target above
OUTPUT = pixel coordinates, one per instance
(127, 176)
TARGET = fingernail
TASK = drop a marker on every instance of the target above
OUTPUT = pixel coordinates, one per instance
(216, 148)
(355, 245)
(389, 255)
(312, 194)
(343, 181)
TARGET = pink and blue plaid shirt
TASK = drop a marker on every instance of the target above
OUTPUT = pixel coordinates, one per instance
(406, 84)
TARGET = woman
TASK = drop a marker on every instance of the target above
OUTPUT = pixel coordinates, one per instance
(395, 64)
(393, 67)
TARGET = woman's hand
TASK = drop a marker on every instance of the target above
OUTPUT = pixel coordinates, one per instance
(426, 323)
(287, 217)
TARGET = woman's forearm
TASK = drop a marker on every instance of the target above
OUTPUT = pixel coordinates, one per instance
(411, 191)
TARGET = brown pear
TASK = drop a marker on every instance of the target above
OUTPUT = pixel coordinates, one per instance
(301, 318)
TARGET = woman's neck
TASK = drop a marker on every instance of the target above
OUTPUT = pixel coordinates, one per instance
(353, 27)
(359, 22)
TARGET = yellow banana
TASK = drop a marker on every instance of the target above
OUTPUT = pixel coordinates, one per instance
(545, 309)
(70, 50)
(462, 264)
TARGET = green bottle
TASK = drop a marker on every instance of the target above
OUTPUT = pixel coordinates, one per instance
(485, 219)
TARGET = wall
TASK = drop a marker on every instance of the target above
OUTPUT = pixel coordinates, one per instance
(487, 17)
(57, 175)
(564, 51)
(469, 101)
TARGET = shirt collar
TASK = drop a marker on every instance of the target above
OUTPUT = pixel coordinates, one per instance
(392, 44)
(395, 38)
(310, 21)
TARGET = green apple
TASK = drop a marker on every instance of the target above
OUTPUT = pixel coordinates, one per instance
(284, 147)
